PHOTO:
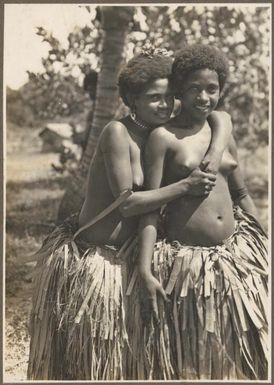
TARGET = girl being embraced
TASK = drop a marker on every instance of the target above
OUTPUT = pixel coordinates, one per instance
(213, 261)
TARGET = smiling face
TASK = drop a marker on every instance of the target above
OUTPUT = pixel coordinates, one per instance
(154, 105)
(200, 93)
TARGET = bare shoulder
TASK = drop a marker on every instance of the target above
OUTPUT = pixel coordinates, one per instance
(114, 128)
(114, 133)
(158, 138)
(160, 133)
(223, 117)
(222, 114)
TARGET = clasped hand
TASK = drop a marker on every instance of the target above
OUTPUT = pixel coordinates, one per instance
(200, 182)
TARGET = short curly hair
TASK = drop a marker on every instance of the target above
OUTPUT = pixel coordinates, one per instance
(140, 71)
(195, 57)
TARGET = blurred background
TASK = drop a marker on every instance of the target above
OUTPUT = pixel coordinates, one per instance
(61, 63)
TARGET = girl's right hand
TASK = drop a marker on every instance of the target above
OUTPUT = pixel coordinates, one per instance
(200, 183)
(151, 287)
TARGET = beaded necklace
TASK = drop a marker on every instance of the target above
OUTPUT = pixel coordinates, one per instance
(140, 124)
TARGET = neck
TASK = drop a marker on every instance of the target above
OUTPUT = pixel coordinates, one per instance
(139, 128)
(187, 121)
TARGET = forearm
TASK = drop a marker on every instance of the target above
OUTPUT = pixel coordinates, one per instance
(147, 239)
(239, 192)
(220, 123)
(221, 127)
(142, 202)
(247, 204)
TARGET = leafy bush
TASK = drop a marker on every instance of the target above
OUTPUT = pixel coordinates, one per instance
(241, 32)
(18, 110)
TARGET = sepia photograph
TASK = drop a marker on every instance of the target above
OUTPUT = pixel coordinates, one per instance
(137, 162)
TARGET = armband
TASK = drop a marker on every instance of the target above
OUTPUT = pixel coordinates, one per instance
(118, 201)
(239, 194)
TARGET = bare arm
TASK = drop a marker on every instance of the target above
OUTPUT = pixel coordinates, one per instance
(221, 126)
(115, 148)
(155, 157)
(156, 152)
(237, 187)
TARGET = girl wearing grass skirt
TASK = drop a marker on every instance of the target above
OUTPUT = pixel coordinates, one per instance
(213, 260)
(79, 309)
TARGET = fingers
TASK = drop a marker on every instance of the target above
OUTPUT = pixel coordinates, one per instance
(210, 183)
(210, 171)
(155, 309)
(204, 174)
(210, 176)
(201, 183)
(154, 305)
(204, 164)
(208, 189)
(163, 294)
(207, 168)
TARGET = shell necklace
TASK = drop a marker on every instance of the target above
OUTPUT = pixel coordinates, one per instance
(142, 125)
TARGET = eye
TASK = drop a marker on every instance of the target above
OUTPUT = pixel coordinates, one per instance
(213, 89)
(154, 98)
(169, 98)
(194, 88)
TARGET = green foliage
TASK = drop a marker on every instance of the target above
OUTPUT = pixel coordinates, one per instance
(241, 32)
(58, 90)
(18, 110)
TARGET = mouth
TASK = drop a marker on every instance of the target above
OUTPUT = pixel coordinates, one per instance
(163, 115)
(204, 108)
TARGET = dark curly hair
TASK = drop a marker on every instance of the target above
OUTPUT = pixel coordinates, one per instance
(140, 71)
(195, 57)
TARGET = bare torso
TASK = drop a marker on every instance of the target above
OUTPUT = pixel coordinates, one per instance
(113, 229)
(193, 220)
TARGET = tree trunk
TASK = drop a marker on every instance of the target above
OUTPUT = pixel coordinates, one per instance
(115, 24)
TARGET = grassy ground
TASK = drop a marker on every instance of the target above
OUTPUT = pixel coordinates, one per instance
(32, 197)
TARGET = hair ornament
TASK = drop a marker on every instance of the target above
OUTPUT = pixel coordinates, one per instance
(149, 50)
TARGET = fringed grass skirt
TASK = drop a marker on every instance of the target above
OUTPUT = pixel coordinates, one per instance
(215, 325)
(78, 316)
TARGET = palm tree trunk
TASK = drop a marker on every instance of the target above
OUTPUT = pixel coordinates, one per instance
(115, 24)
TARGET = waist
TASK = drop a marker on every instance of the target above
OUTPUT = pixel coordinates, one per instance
(112, 231)
(199, 222)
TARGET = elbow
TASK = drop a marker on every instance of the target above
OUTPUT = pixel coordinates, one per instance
(129, 207)
(126, 211)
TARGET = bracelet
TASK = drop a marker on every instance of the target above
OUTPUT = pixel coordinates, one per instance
(239, 194)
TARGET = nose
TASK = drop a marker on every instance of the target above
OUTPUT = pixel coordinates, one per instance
(163, 103)
(203, 96)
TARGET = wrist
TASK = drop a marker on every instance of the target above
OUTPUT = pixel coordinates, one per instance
(184, 186)
(215, 149)
(145, 274)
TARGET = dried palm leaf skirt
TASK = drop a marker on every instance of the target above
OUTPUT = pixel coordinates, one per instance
(78, 316)
(215, 325)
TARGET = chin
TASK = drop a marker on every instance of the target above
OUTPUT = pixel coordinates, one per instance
(162, 121)
(203, 114)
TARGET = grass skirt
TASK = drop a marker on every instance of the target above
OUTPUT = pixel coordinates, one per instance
(215, 325)
(78, 322)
